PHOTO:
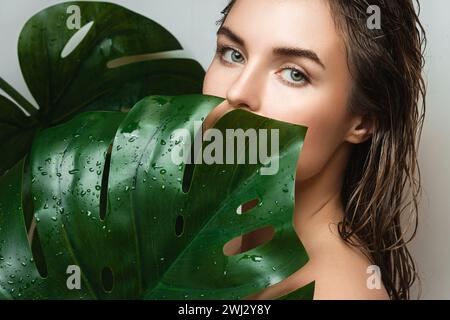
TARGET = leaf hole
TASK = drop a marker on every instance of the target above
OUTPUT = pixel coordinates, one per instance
(247, 206)
(187, 177)
(27, 200)
(76, 39)
(179, 226)
(189, 170)
(30, 222)
(37, 252)
(104, 187)
(123, 61)
(249, 241)
(107, 279)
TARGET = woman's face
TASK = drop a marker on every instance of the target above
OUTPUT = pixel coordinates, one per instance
(287, 61)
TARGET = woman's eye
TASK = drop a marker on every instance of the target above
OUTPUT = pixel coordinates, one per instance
(293, 76)
(232, 56)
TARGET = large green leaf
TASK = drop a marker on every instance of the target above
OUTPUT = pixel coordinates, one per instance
(134, 236)
(94, 76)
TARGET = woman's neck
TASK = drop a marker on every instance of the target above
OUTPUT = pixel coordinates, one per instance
(318, 199)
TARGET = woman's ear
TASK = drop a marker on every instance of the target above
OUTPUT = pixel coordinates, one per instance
(361, 129)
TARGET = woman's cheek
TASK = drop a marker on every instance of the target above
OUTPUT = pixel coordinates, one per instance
(312, 157)
(218, 80)
(211, 85)
(323, 137)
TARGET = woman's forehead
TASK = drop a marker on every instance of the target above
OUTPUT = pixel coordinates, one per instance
(264, 24)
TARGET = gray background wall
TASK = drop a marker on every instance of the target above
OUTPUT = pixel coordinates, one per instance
(431, 247)
(193, 23)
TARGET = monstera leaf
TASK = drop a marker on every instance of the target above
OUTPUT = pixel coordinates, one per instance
(116, 58)
(108, 199)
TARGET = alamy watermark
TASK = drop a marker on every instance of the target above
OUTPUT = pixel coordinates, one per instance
(374, 280)
(374, 21)
(74, 20)
(74, 279)
(235, 139)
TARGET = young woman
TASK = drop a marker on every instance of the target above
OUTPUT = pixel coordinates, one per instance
(358, 90)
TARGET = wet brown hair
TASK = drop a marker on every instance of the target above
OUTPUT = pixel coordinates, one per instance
(382, 181)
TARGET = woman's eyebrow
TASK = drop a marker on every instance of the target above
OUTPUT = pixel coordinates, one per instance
(298, 52)
(280, 51)
(231, 35)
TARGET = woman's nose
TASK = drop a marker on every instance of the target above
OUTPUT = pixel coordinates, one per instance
(246, 89)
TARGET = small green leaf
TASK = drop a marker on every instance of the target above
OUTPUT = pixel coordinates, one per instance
(82, 80)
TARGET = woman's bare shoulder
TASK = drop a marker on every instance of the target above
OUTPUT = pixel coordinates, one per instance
(342, 271)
